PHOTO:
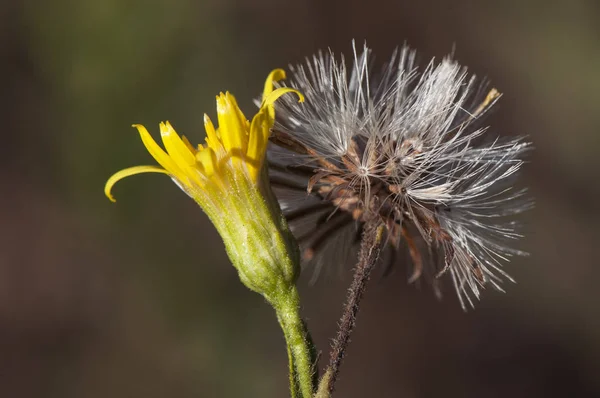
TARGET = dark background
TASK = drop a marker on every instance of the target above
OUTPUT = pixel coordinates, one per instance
(137, 299)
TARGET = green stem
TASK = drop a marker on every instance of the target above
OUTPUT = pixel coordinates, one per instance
(297, 340)
(323, 390)
(293, 384)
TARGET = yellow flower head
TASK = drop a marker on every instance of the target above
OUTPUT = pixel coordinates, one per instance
(236, 149)
(225, 177)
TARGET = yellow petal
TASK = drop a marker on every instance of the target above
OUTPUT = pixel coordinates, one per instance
(257, 144)
(176, 148)
(188, 144)
(156, 151)
(241, 117)
(119, 175)
(274, 95)
(212, 139)
(274, 76)
(230, 126)
(208, 160)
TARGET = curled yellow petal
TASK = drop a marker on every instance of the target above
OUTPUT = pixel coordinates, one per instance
(274, 95)
(274, 76)
(119, 175)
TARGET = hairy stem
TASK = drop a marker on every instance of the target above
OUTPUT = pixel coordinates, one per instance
(370, 249)
(292, 370)
(298, 345)
(323, 390)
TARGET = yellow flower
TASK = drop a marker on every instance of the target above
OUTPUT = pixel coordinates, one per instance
(226, 177)
(236, 149)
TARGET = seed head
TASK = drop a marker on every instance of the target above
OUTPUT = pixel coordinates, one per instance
(405, 146)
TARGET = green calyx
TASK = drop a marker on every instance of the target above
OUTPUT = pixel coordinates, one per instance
(258, 240)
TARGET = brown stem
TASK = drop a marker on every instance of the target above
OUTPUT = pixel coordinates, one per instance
(370, 248)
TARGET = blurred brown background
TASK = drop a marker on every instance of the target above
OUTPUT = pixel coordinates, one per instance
(137, 299)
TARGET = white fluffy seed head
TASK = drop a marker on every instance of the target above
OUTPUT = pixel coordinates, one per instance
(403, 145)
